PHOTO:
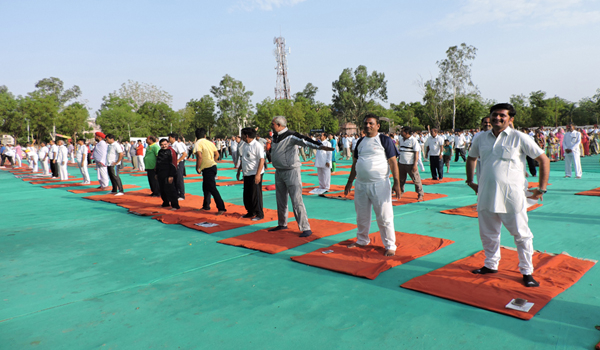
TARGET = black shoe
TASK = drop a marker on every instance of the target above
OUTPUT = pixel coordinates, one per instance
(529, 281)
(278, 228)
(164, 205)
(247, 216)
(306, 233)
(257, 218)
(484, 270)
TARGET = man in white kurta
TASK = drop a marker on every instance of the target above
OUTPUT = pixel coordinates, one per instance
(374, 156)
(81, 158)
(62, 159)
(323, 164)
(100, 159)
(53, 153)
(571, 142)
(501, 189)
(43, 159)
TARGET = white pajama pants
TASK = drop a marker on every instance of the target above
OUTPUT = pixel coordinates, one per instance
(140, 161)
(573, 159)
(35, 164)
(324, 178)
(63, 172)
(378, 196)
(45, 167)
(516, 223)
(102, 175)
(18, 158)
(84, 171)
(420, 164)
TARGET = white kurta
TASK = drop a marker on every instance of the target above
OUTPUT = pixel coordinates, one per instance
(571, 141)
(62, 160)
(322, 159)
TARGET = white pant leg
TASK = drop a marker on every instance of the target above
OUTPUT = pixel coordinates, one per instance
(420, 164)
(35, 164)
(577, 163)
(517, 225)
(381, 197)
(63, 172)
(362, 205)
(18, 158)
(102, 175)
(84, 171)
(140, 160)
(324, 178)
(489, 232)
(44, 164)
(568, 163)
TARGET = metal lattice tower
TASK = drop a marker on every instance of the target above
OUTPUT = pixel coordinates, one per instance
(282, 87)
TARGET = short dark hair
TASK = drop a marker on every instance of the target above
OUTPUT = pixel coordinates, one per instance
(200, 133)
(110, 136)
(407, 129)
(163, 140)
(249, 132)
(174, 135)
(153, 138)
(511, 110)
(78, 140)
(371, 115)
(484, 118)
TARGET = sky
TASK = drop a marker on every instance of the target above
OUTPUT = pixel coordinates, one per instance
(185, 47)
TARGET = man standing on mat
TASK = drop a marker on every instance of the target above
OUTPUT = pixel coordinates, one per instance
(206, 153)
(323, 164)
(150, 165)
(434, 148)
(374, 156)
(166, 174)
(284, 156)
(181, 150)
(100, 158)
(52, 154)
(571, 142)
(501, 198)
(61, 160)
(82, 163)
(252, 157)
(114, 157)
(408, 161)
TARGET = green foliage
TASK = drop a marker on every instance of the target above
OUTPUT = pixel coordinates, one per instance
(354, 93)
(158, 117)
(55, 87)
(140, 93)
(204, 113)
(116, 116)
(410, 114)
(72, 120)
(42, 112)
(234, 106)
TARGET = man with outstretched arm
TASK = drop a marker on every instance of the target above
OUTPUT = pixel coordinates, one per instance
(374, 156)
(501, 197)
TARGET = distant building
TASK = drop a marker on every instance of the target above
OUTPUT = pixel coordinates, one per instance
(348, 128)
(8, 140)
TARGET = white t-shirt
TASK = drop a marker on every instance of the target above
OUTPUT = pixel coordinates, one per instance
(112, 153)
(63, 154)
(354, 141)
(502, 172)
(372, 159)
(100, 151)
(53, 151)
(251, 155)
(435, 144)
(460, 141)
(82, 152)
(179, 148)
(408, 149)
(323, 157)
(42, 152)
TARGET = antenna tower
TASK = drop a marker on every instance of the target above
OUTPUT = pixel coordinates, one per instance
(282, 87)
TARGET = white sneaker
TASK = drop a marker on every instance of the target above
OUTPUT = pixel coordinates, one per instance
(180, 199)
(119, 194)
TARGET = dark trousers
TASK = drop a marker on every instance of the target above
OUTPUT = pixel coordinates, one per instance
(437, 167)
(54, 168)
(209, 187)
(153, 182)
(5, 158)
(168, 192)
(253, 199)
(459, 152)
(179, 184)
(531, 165)
(115, 179)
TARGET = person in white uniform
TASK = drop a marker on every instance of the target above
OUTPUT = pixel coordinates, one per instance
(100, 159)
(374, 156)
(32, 158)
(323, 164)
(571, 142)
(81, 158)
(114, 158)
(181, 150)
(43, 159)
(501, 197)
(62, 159)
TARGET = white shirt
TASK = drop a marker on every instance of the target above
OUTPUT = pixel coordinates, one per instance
(234, 146)
(345, 142)
(323, 157)
(460, 141)
(63, 154)
(53, 151)
(43, 152)
(132, 149)
(100, 151)
(112, 153)
(10, 152)
(435, 144)
(372, 165)
(502, 181)
(82, 152)
(251, 155)
(408, 149)
(354, 141)
(180, 148)
(571, 141)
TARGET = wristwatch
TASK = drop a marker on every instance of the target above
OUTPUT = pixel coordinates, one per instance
(542, 191)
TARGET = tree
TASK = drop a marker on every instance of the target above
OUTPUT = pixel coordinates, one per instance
(523, 108)
(204, 113)
(436, 105)
(117, 117)
(185, 123)
(11, 119)
(42, 112)
(73, 120)
(55, 87)
(455, 73)
(159, 118)
(354, 93)
(410, 114)
(234, 105)
(140, 93)
(309, 93)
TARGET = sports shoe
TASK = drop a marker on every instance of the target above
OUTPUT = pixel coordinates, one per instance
(180, 199)
(119, 194)
(257, 218)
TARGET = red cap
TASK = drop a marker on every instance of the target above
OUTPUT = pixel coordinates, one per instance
(100, 134)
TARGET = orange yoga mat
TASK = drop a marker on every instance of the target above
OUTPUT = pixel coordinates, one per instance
(471, 210)
(427, 182)
(278, 241)
(369, 261)
(44, 178)
(106, 189)
(332, 188)
(555, 273)
(594, 192)
(232, 183)
(303, 184)
(407, 197)
(334, 174)
(93, 183)
(344, 166)
(302, 171)
(51, 181)
(188, 181)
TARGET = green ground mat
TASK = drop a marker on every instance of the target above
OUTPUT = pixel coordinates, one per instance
(80, 274)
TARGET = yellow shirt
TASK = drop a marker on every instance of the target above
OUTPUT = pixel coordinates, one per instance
(208, 150)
